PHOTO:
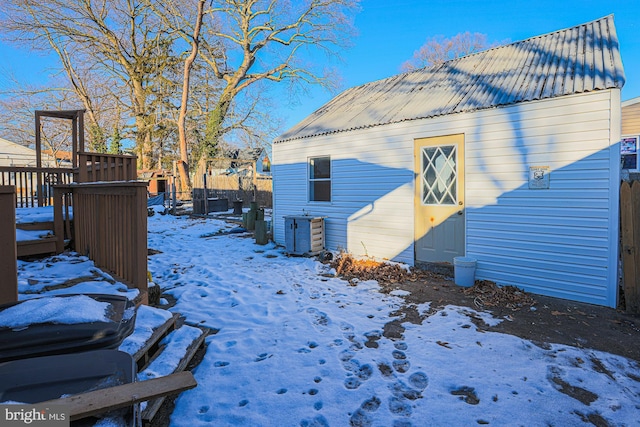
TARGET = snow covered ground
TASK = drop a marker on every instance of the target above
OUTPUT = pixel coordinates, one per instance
(297, 347)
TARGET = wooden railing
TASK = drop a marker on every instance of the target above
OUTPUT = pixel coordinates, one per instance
(34, 186)
(95, 167)
(110, 227)
(8, 268)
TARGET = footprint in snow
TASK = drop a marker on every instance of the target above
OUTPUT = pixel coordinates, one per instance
(372, 339)
(401, 345)
(352, 383)
(385, 370)
(361, 417)
(346, 327)
(262, 356)
(419, 380)
(466, 393)
(371, 405)
(317, 421)
(364, 372)
(399, 406)
(220, 364)
(402, 391)
(401, 366)
(319, 319)
(346, 355)
(399, 355)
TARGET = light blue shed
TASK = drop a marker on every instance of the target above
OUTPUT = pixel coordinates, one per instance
(509, 156)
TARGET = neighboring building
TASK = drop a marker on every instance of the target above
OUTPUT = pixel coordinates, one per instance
(63, 158)
(630, 136)
(236, 161)
(12, 154)
(509, 156)
(247, 160)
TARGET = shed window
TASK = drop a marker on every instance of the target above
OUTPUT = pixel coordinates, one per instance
(320, 179)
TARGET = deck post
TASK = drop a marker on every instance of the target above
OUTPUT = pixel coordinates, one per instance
(8, 252)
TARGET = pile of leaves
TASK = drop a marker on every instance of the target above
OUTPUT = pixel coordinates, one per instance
(487, 293)
(484, 292)
(386, 273)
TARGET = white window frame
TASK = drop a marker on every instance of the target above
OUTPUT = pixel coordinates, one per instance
(311, 180)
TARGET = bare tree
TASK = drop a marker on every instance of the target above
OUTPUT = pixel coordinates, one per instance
(439, 49)
(172, 14)
(266, 41)
(246, 42)
(114, 41)
(128, 48)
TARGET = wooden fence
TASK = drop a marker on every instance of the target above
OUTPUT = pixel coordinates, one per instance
(630, 240)
(8, 267)
(110, 227)
(234, 187)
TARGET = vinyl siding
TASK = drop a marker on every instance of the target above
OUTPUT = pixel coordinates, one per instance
(559, 242)
(631, 119)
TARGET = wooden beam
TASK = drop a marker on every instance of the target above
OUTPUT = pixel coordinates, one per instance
(8, 265)
(107, 399)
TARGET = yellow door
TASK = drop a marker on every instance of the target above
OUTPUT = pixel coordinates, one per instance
(439, 198)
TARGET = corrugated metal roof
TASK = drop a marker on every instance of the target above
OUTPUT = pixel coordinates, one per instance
(575, 60)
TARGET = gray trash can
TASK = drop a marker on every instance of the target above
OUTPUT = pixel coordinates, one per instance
(464, 269)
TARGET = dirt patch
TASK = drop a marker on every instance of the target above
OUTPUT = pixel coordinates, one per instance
(537, 318)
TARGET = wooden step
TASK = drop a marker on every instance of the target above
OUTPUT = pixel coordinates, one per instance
(104, 400)
(42, 246)
(153, 406)
(148, 352)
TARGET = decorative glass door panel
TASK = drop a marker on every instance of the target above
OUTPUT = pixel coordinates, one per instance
(439, 175)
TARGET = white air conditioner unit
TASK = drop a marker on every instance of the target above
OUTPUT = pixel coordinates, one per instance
(304, 235)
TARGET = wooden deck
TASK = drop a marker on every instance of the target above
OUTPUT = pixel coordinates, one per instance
(111, 215)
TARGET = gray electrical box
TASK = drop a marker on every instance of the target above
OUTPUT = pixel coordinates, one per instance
(304, 235)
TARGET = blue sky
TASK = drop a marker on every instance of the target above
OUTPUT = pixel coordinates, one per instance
(391, 30)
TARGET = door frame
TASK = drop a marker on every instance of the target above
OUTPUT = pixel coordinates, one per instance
(420, 231)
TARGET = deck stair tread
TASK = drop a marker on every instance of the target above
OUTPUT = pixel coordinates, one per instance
(169, 347)
(185, 342)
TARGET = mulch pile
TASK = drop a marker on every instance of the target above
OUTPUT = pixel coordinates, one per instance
(387, 274)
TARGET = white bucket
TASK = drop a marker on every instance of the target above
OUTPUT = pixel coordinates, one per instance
(464, 271)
